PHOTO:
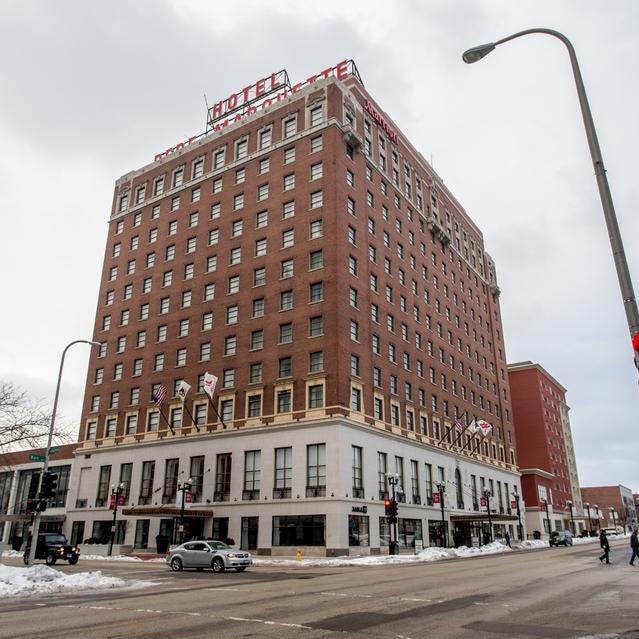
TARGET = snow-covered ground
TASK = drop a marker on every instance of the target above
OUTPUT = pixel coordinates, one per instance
(43, 580)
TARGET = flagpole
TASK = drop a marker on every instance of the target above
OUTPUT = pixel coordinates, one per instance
(444, 437)
(215, 410)
(188, 412)
(166, 420)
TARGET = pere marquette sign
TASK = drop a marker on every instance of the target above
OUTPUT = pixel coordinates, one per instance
(261, 95)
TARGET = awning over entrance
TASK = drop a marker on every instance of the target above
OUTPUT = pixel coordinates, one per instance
(166, 511)
(483, 517)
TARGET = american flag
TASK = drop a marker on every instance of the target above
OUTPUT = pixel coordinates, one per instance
(459, 427)
(159, 394)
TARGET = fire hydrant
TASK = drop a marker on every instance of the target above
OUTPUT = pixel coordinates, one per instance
(298, 555)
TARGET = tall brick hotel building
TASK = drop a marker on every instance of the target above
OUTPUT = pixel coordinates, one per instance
(305, 253)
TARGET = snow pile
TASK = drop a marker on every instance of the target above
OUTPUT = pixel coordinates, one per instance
(534, 543)
(488, 549)
(427, 555)
(42, 580)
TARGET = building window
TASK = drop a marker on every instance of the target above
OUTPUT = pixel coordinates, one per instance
(317, 199)
(316, 292)
(315, 470)
(316, 396)
(290, 127)
(286, 333)
(252, 474)
(283, 480)
(222, 477)
(358, 489)
(316, 229)
(254, 405)
(316, 326)
(285, 367)
(289, 182)
(286, 300)
(284, 401)
(316, 260)
(316, 362)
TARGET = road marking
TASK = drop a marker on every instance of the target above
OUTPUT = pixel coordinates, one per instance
(194, 614)
(346, 594)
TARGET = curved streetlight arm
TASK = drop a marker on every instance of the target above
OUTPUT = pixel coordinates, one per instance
(45, 467)
(623, 274)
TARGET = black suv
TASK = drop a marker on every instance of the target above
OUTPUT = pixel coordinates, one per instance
(51, 547)
(561, 538)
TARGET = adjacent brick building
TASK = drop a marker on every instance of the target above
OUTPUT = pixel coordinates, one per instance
(16, 471)
(550, 482)
(305, 253)
(609, 506)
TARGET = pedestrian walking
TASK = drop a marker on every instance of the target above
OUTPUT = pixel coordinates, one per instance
(507, 538)
(603, 542)
(634, 544)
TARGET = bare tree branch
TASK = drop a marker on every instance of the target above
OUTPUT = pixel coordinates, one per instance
(23, 421)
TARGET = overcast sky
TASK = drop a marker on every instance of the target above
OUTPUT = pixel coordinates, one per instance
(91, 90)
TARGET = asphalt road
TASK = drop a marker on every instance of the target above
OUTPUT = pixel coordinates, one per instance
(555, 593)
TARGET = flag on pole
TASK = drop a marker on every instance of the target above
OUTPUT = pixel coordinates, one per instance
(209, 384)
(484, 427)
(473, 427)
(183, 389)
(159, 394)
(459, 427)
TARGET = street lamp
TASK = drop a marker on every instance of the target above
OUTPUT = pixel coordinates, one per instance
(183, 486)
(614, 521)
(487, 496)
(547, 515)
(519, 528)
(616, 244)
(572, 519)
(597, 513)
(36, 518)
(393, 545)
(440, 490)
(116, 491)
(587, 507)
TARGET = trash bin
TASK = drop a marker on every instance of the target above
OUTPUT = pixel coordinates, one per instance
(162, 544)
(393, 548)
(536, 534)
(16, 543)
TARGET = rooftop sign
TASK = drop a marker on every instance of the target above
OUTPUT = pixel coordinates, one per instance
(259, 95)
(267, 91)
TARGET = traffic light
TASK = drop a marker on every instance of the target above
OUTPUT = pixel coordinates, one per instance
(41, 505)
(33, 486)
(393, 509)
(49, 485)
(32, 506)
(387, 507)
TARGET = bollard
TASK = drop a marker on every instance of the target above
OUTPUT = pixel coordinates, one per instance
(298, 555)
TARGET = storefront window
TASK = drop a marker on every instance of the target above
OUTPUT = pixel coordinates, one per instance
(358, 531)
(302, 530)
(408, 530)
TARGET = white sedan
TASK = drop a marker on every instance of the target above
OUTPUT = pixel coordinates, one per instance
(208, 554)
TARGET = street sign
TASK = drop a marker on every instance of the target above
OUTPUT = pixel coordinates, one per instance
(37, 458)
(54, 449)
(436, 499)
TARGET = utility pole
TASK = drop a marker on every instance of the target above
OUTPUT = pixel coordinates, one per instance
(116, 491)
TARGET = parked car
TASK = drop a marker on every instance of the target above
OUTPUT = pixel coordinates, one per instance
(51, 547)
(612, 531)
(208, 554)
(561, 538)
